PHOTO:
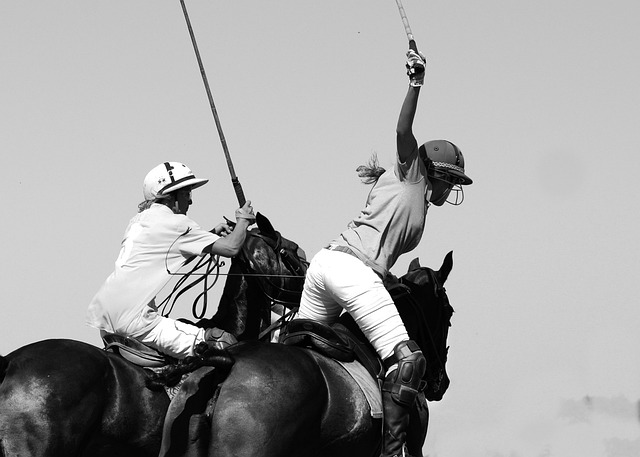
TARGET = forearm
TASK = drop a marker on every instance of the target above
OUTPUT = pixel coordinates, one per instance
(230, 245)
(406, 142)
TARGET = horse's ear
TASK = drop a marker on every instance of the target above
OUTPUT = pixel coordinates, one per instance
(445, 269)
(265, 226)
(414, 265)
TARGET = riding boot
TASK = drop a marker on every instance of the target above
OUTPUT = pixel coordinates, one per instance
(218, 338)
(399, 391)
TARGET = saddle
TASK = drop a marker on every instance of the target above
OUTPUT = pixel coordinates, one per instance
(335, 341)
(135, 351)
(343, 341)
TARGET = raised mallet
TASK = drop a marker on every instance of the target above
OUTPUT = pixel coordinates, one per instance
(407, 27)
(234, 179)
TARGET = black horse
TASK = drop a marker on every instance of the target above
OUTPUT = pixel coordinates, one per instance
(67, 398)
(290, 401)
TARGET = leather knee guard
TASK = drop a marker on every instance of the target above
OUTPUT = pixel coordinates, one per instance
(403, 383)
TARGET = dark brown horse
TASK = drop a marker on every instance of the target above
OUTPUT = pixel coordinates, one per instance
(289, 401)
(68, 398)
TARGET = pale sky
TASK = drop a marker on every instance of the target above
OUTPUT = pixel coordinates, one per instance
(542, 98)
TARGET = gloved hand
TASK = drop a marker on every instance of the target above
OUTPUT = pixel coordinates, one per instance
(246, 212)
(416, 63)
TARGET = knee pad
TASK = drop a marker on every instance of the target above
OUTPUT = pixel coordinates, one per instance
(403, 382)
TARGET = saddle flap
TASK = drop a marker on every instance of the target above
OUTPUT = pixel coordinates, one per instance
(335, 341)
(133, 350)
(363, 351)
(315, 335)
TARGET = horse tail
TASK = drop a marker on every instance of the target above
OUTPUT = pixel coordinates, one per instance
(170, 375)
(4, 363)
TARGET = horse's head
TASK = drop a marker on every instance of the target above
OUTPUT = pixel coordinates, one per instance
(278, 264)
(266, 251)
(267, 276)
(427, 313)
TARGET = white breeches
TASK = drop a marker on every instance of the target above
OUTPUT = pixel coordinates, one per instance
(337, 281)
(174, 338)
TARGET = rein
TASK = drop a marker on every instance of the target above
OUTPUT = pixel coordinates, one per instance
(210, 263)
(279, 323)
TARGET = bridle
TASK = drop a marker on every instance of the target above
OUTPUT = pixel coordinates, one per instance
(290, 265)
(296, 266)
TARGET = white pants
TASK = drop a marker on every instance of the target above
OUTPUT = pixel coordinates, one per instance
(337, 281)
(172, 337)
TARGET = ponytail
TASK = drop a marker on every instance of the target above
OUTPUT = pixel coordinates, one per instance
(145, 205)
(370, 172)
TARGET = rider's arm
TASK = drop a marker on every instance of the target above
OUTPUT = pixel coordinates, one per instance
(406, 142)
(230, 245)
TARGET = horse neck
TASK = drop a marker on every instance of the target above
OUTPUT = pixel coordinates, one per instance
(243, 309)
(419, 312)
(232, 308)
(258, 314)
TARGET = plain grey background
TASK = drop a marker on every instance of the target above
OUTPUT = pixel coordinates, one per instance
(542, 98)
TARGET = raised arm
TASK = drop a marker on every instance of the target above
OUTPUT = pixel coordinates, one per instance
(406, 142)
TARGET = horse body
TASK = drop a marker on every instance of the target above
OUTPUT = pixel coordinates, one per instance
(65, 398)
(289, 401)
(313, 408)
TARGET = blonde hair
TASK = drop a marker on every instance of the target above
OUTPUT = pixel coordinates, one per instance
(147, 203)
(370, 172)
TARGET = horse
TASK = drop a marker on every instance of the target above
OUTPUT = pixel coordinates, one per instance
(62, 397)
(290, 401)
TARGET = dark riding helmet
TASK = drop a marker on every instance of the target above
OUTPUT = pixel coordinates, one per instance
(445, 156)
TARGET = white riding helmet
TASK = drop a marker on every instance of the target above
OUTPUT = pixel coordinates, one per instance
(168, 177)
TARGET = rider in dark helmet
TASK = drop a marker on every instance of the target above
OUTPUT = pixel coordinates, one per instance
(348, 274)
(158, 241)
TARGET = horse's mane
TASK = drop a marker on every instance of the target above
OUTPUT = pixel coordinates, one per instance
(4, 363)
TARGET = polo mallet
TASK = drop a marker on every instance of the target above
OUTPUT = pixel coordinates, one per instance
(407, 27)
(234, 179)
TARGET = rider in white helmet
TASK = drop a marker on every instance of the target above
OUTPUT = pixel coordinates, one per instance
(348, 273)
(158, 241)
